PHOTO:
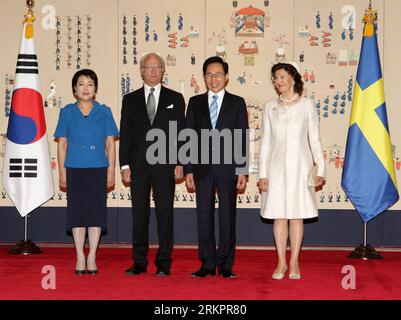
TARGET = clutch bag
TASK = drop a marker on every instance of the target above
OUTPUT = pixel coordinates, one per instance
(312, 177)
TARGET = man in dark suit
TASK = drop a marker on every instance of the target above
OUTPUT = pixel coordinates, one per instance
(150, 107)
(220, 110)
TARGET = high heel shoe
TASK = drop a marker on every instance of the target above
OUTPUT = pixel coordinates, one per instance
(80, 268)
(279, 275)
(79, 272)
(91, 267)
(91, 271)
(294, 276)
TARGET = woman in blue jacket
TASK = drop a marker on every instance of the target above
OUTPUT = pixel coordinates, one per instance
(86, 134)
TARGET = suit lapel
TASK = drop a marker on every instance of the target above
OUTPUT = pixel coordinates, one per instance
(161, 105)
(94, 111)
(142, 98)
(205, 109)
(81, 120)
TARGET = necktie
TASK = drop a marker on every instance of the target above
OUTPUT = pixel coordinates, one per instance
(213, 111)
(151, 105)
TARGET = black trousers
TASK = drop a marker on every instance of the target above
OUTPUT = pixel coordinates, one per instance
(163, 191)
(223, 257)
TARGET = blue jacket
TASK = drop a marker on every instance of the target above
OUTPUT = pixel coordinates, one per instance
(86, 136)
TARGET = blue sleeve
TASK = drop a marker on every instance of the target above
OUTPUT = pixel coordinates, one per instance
(111, 129)
(61, 129)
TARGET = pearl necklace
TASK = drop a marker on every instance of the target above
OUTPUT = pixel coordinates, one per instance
(292, 99)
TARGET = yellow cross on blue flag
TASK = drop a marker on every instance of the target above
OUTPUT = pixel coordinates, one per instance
(369, 177)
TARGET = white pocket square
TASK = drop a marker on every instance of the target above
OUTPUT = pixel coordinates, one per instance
(171, 106)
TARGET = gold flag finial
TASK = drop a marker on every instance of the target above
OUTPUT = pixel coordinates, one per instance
(29, 19)
(30, 3)
(370, 21)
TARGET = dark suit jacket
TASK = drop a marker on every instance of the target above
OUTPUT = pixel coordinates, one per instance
(135, 125)
(233, 115)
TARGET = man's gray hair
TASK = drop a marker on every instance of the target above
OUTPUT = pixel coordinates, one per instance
(146, 56)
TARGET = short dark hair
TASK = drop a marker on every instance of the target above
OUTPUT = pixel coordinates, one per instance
(84, 72)
(215, 59)
(299, 84)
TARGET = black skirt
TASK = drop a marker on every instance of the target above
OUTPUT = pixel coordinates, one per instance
(86, 198)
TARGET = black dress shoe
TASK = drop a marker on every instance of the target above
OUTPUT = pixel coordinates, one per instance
(202, 272)
(227, 273)
(136, 269)
(162, 272)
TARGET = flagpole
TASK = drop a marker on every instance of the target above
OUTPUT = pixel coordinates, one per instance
(365, 251)
(365, 234)
(363, 111)
(26, 246)
(26, 228)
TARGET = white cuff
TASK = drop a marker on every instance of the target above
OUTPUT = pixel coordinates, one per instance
(124, 167)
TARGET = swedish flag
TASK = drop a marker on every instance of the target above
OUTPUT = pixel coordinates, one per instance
(368, 177)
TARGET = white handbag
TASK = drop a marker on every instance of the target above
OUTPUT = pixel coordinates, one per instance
(312, 177)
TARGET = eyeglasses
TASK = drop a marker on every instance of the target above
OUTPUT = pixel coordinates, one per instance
(148, 68)
(217, 75)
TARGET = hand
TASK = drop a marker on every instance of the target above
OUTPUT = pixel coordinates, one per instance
(263, 185)
(241, 183)
(111, 181)
(189, 182)
(179, 172)
(320, 181)
(62, 182)
(126, 176)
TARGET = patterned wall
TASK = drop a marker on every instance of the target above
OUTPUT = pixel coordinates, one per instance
(323, 37)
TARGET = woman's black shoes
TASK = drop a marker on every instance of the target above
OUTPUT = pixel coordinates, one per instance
(80, 272)
(91, 271)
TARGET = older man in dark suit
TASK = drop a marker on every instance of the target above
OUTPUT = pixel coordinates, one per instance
(150, 107)
(221, 112)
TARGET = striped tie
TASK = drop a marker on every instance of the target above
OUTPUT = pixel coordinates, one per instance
(213, 111)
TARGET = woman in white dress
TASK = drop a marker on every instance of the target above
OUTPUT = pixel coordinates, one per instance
(289, 147)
